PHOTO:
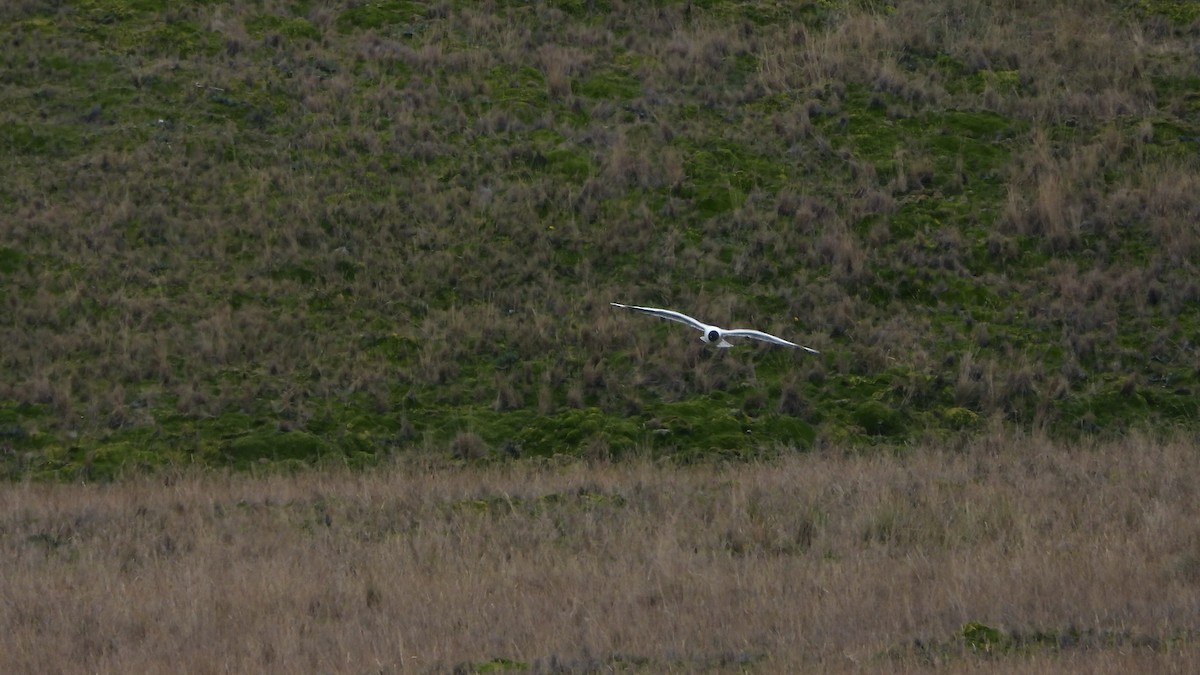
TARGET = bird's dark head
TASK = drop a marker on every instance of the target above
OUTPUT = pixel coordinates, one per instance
(713, 335)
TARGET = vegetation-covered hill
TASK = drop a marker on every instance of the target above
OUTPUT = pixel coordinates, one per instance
(276, 230)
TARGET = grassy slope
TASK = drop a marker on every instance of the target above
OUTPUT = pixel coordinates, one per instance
(287, 230)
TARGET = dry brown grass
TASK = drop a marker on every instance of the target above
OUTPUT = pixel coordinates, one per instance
(820, 562)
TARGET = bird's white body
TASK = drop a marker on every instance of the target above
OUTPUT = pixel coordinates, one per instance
(715, 334)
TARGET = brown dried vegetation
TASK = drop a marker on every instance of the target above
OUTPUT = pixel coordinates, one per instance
(1085, 559)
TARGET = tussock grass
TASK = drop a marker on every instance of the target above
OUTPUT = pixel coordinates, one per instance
(1011, 553)
(388, 224)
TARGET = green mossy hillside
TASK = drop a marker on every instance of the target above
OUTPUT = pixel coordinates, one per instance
(294, 233)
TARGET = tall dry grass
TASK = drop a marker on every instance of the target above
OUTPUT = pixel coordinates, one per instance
(825, 562)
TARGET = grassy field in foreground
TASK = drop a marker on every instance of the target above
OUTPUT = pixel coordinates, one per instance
(299, 231)
(1017, 555)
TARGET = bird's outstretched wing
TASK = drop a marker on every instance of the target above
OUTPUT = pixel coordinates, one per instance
(667, 314)
(765, 337)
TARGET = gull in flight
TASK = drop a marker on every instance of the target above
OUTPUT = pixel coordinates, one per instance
(714, 334)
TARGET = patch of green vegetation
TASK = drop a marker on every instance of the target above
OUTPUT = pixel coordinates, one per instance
(999, 81)
(39, 140)
(21, 440)
(608, 84)
(133, 26)
(976, 134)
(115, 11)
(721, 174)
(292, 28)
(10, 259)
(521, 90)
(569, 432)
(299, 273)
(960, 419)
(1177, 85)
(718, 424)
(397, 349)
(376, 14)
(255, 109)
(100, 461)
(274, 446)
(1179, 12)
(181, 38)
(879, 419)
(570, 163)
(549, 153)
(1110, 408)
(982, 638)
(774, 13)
(703, 424)
(929, 287)
(964, 151)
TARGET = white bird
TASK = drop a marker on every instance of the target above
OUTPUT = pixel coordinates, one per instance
(715, 334)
